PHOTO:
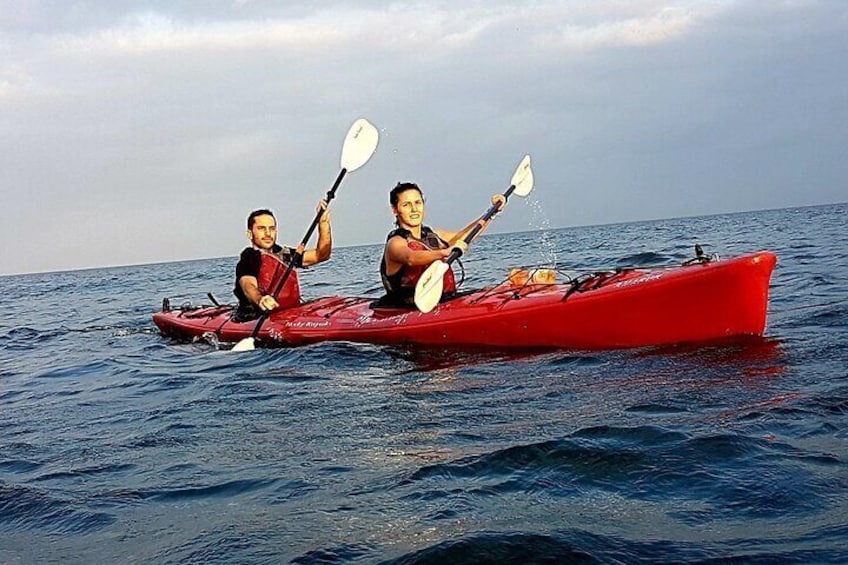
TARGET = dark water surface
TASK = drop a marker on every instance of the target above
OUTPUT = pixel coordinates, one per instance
(117, 445)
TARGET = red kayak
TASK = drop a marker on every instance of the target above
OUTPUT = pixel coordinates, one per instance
(634, 307)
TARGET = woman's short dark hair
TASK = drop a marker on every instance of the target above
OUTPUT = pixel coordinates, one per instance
(394, 195)
(261, 212)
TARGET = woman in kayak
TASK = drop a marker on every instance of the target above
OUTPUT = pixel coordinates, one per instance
(262, 265)
(411, 247)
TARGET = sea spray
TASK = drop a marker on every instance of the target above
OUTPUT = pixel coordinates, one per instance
(541, 222)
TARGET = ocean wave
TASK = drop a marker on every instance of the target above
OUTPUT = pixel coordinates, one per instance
(26, 508)
(643, 463)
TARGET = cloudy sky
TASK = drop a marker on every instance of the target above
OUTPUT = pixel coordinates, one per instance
(136, 132)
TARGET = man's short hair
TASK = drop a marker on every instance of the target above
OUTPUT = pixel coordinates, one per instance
(394, 195)
(251, 219)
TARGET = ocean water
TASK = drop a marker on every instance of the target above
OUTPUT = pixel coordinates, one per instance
(120, 446)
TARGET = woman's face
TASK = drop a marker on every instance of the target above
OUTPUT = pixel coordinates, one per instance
(409, 209)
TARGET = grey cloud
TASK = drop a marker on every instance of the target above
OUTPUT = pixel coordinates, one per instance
(631, 110)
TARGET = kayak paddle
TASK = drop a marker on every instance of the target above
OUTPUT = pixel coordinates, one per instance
(428, 291)
(359, 144)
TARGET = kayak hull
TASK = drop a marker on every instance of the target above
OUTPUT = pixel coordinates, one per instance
(614, 310)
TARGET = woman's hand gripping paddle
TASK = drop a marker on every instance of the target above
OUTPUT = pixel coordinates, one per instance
(359, 144)
(428, 291)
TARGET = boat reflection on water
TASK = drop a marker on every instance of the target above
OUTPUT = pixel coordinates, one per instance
(734, 380)
(439, 359)
(727, 378)
(752, 355)
(765, 354)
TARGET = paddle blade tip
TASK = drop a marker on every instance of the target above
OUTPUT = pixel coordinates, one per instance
(360, 143)
(525, 185)
(521, 170)
(426, 307)
(247, 344)
(428, 290)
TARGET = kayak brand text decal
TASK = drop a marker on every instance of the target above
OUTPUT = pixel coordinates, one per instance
(639, 280)
(367, 320)
(307, 324)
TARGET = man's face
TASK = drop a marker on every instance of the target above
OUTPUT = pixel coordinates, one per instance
(409, 208)
(263, 234)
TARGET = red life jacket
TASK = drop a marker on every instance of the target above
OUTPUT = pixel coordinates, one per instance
(401, 285)
(412, 274)
(270, 273)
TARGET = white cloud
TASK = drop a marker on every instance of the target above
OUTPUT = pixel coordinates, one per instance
(154, 33)
(22, 85)
(666, 24)
(407, 28)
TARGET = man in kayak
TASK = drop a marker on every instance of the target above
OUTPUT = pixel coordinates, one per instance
(411, 247)
(262, 265)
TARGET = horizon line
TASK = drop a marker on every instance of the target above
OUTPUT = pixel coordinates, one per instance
(145, 264)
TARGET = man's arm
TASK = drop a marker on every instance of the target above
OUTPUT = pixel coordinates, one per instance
(250, 286)
(322, 251)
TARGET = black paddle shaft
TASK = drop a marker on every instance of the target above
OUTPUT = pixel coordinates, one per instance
(494, 209)
(298, 254)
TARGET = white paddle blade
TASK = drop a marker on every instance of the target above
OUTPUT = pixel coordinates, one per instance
(525, 185)
(428, 291)
(247, 344)
(359, 145)
(521, 171)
